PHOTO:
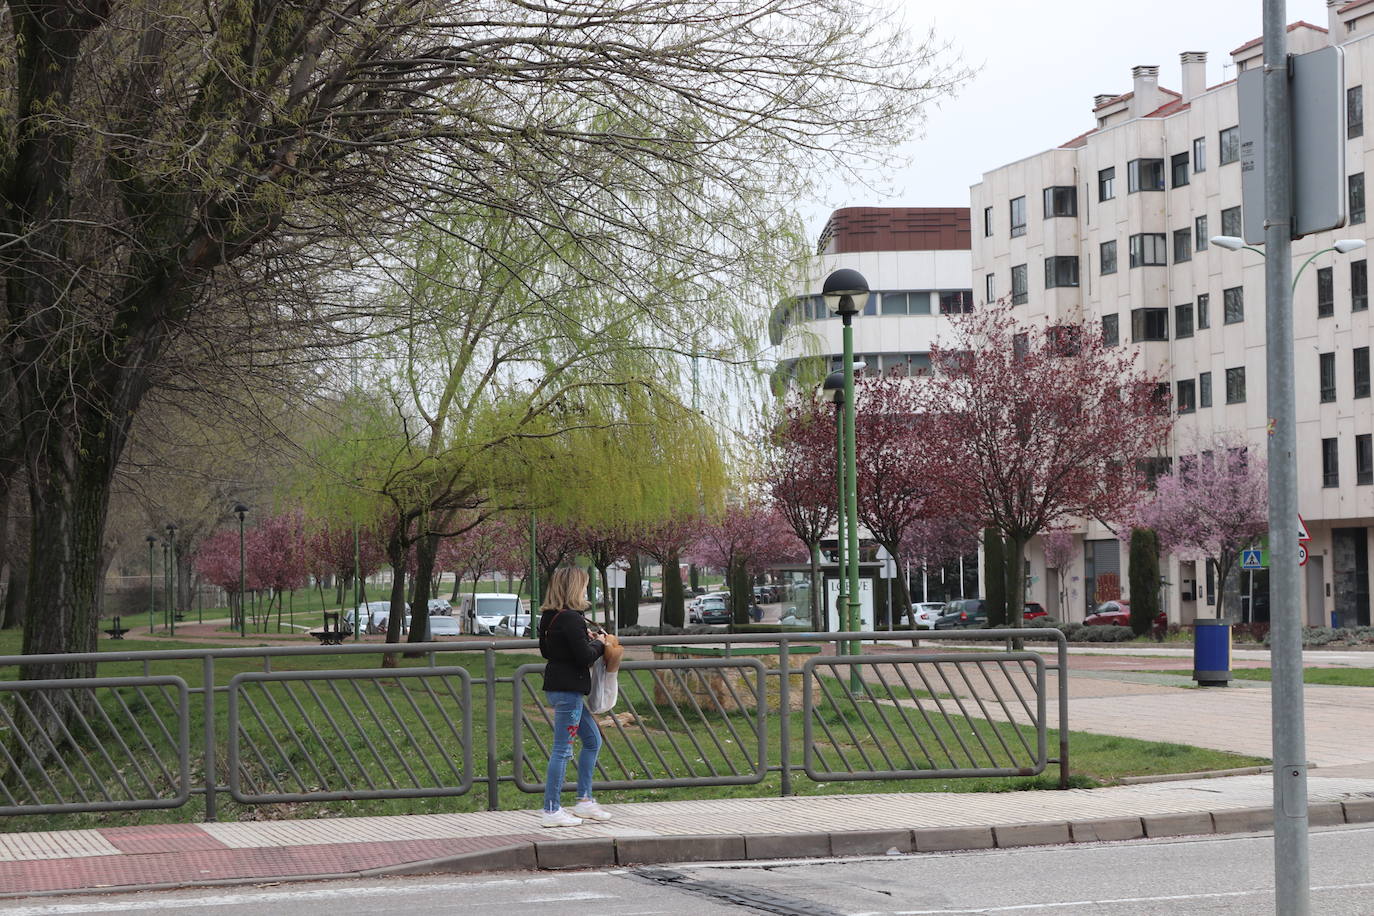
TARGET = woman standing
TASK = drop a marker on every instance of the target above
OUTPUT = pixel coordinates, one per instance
(570, 649)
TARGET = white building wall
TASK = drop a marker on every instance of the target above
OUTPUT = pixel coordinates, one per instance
(1208, 272)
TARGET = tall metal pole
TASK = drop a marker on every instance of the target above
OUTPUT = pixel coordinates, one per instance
(534, 569)
(172, 573)
(166, 588)
(357, 585)
(151, 593)
(1291, 869)
(243, 595)
(841, 574)
(851, 485)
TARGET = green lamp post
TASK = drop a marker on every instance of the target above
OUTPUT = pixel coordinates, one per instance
(241, 510)
(842, 290)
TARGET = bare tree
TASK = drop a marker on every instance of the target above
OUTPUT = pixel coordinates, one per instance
(156, 153)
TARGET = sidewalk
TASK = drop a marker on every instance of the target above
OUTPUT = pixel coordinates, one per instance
(764, 828)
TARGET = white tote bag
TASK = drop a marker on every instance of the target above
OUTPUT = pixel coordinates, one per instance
(605, 688)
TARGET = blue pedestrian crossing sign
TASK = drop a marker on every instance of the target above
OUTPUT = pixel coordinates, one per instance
(1251, 559)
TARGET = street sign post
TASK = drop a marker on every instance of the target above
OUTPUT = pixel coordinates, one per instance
(1251, 559)
(1316, 108)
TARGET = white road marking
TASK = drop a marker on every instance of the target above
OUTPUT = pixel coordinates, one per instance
(303, 896)
(1172, 898)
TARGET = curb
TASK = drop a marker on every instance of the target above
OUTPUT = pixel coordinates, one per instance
(613, 852)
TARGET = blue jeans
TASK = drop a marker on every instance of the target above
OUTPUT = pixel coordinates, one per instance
(571, 719)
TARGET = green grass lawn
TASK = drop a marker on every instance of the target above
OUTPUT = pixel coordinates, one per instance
(1341, 677)
(301, 737)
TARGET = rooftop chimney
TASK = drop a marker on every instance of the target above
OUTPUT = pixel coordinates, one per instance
(1335, 31)
(1146, 89)
(1194, 74)
(1103, 99)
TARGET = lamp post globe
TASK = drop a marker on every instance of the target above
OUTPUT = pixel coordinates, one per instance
(842, 289)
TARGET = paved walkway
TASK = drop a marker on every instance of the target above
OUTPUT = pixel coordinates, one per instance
(1105, 698)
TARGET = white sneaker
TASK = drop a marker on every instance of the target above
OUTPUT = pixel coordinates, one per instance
(559, 818)
(589, 809)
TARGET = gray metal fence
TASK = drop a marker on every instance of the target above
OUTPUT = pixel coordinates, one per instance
(705, 710)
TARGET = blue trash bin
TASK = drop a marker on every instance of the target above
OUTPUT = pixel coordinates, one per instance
(1211, 652)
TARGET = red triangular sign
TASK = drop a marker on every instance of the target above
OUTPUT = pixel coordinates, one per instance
(1302, 530)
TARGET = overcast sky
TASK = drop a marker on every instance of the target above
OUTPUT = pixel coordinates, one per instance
(1040, 62)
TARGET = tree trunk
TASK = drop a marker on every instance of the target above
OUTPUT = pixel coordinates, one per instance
(426, 550)
(70, 482)
(994, 577)
(627, 611)
(741, 595)
(1015, 563)
(606, 609)
(396, 550)
(671, 611)
(901, 595)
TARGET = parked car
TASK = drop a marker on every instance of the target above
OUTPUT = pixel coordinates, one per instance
(694, 608)
(963, 613)
(515, 625)
(1118, 614)
(712, 609)
(483, 613)
(438, 607)
(765, 594)
(1033, 610)
(441, 625)
(925, 613)
(373, 614)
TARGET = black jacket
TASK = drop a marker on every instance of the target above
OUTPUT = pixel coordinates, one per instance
(570, 649)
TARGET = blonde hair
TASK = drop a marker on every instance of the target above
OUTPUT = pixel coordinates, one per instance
(567, 590)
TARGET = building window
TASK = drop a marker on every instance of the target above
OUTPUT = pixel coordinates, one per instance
(1359, 285)
(1062, 340)
(1200, 234)
(1356, 186)
(1200, 154)
(1106, 184)
(1018, 285)
(1111, 330)
(1229, 144)
(1020, 346)
(990, 287)
(1361, 365)
(1204, 389)
(1204, 311)
(1061, 200)
(1108, 257)
(1187, 401)
(1061, 270)
(1230, 222)
(1183, 245)
(1233, 305)
(956, 302)
(1183, 321)
(1178, 169)
(900, 303)
(1331, 463)
(871, 304)
(987, 221)
(1018, 217)
(1326, 370)
(1149, 324)
(1235, 386)
(1147, 250)
(1145, 175)
(1354, 112)
(1326, 292)
(1364, 459)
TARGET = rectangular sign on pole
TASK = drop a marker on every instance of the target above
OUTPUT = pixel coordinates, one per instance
(1317, 108)
(832, 591)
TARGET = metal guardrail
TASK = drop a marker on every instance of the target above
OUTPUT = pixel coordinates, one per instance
(328, 732)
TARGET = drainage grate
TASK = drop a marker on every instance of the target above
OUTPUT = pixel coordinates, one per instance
(738, 894)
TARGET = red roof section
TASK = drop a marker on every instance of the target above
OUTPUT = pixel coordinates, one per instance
(1296, 25)
(855, 229)
(1354, 6)
(1122, 98)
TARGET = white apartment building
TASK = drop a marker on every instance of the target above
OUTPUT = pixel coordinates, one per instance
(1112, 228)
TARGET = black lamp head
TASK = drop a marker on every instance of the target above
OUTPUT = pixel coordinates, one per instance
(841, 290)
